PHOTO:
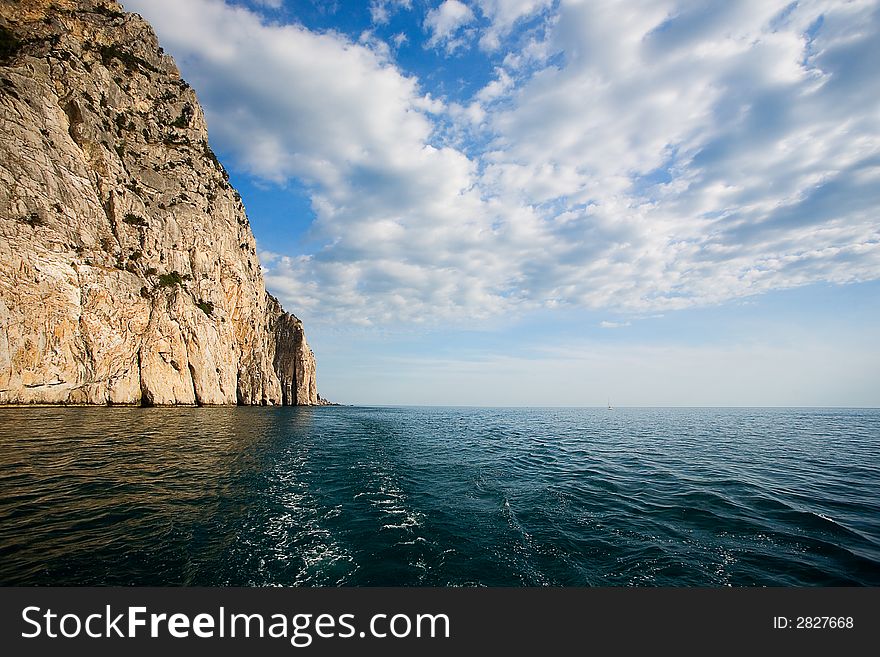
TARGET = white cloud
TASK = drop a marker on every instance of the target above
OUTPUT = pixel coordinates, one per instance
(666, 154)
(503, 15)
(496, 88)
(399, 39)
(683, 155)
(445, 22)
(472, 114)
(613, 325)
(382, 10)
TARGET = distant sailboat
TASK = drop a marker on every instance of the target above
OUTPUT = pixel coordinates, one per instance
(610, 407)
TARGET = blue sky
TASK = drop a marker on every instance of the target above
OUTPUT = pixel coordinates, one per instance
(542, 202)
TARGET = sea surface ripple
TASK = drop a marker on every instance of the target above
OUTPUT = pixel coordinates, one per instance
(402, 496)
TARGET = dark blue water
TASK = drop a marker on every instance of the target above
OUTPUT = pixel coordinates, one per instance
(439, 496)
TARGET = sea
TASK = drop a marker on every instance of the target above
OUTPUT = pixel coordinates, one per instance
(427, 496)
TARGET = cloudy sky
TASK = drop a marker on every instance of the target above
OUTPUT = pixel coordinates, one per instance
(557, 202)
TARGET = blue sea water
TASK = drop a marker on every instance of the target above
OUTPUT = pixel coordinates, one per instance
(439, 496)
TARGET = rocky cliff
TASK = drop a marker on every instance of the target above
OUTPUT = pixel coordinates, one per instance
(128, 270)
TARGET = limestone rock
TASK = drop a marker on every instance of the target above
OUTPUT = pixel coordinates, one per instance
(128, 269)
(293, 360)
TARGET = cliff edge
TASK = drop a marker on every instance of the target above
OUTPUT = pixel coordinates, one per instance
(128, 269)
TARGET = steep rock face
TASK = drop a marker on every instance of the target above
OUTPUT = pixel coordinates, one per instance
(293, 361)
(128, 270)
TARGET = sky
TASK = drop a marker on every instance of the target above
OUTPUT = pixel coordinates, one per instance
(557, 202)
